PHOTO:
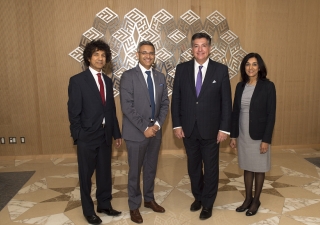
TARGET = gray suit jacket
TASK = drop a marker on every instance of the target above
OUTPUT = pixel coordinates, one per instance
(136, 106)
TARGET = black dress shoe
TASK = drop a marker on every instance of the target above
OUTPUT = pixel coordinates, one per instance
(252, 213)
(110, 211)
(242, 209)
(195, 206)
(93, 219)
(206, 213)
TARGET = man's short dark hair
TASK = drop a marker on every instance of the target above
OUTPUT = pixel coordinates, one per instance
(200, 35)
(145, 43)
(94, 46)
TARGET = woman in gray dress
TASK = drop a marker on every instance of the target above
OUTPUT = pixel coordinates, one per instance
(253, 119)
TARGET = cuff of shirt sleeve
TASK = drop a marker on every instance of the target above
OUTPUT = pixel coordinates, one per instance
(228, 133)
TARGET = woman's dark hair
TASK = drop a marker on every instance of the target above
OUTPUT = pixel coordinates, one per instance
(262, 73)
(94, 46)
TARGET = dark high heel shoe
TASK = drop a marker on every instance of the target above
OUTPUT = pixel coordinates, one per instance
(252, 213)
(242, 209)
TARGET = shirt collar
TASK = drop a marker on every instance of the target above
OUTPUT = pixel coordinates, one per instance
(205, 64)
(144, 69)
(93, 71)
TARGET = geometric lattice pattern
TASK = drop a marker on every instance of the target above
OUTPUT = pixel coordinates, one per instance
(171, 40)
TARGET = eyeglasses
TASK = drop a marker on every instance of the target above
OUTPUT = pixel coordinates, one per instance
(147, 53)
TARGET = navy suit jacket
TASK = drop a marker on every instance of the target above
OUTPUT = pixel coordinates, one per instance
(262, 111)
(211, 109)
(86, 111)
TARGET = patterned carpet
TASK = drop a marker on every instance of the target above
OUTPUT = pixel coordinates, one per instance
(290, 196)
(11, 183)
(315, 161)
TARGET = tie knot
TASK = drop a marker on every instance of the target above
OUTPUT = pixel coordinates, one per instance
(99, 74)
(148, 72)
(200, 67)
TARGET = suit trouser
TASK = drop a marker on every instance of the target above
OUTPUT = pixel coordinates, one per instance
(94, 157)
(203, 153)
(142, 154)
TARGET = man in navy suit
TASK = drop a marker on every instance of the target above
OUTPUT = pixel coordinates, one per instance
(201, 114)
(93, 123)
(145, 104)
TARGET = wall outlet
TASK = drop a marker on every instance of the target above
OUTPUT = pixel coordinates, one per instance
(2, 140)
(12, 140)
(22, 140)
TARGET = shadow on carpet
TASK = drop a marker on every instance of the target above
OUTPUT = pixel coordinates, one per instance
(314, 161)
(10, 184)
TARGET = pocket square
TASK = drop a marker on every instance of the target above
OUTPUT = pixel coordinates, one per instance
(214, 81)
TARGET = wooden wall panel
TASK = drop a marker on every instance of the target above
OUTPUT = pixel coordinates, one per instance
(37, 36)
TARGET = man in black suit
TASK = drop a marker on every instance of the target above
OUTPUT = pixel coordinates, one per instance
(93, 123)
(201, 114)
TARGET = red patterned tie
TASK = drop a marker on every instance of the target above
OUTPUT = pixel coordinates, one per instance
(101, 89)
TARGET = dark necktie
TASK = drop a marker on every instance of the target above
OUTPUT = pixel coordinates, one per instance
(151, 93)
(199, 81)
(101, 89)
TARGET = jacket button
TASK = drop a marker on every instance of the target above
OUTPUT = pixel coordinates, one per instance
(197, 103)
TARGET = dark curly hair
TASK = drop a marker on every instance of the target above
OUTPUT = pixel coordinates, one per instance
(94, 46)
(262, 73)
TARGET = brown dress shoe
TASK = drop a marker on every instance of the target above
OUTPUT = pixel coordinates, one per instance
(136, 216)
(154, 206)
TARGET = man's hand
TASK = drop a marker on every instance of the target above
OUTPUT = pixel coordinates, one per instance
(233, 143)
(151, 131)
(118, 142)
(264, 147)
(178, 132)
(221, 137)
(155, 128)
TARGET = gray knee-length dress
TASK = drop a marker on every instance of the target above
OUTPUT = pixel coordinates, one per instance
(249, 156)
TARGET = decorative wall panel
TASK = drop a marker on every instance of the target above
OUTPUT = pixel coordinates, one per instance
(171, 39)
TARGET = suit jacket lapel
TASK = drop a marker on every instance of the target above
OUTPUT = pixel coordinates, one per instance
(208, 77)
(240, 94)
(256, 91)
(92, 84)
(156, 85)
(190, 77)
(110, 91)
(142, 81)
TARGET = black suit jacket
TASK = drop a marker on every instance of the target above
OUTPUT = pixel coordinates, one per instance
(262, 111)
(86, 111)
(211, 109)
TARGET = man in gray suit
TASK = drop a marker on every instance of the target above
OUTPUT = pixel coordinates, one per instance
(144, 103)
